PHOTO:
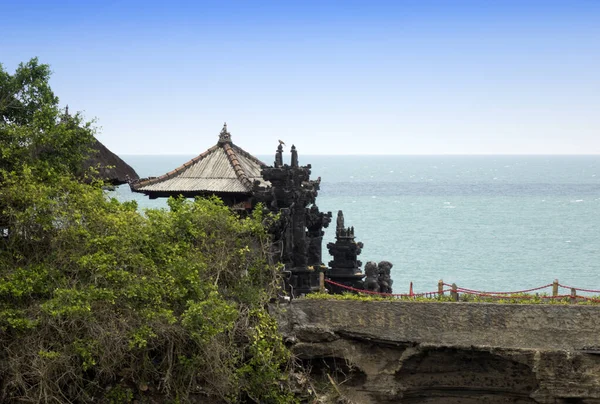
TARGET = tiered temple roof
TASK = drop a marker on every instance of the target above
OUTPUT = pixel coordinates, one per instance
(225, 170)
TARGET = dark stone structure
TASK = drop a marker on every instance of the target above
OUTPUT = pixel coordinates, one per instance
(345, 267)
(384, 278)
(315, 222)
(372, 280)
(299, 232)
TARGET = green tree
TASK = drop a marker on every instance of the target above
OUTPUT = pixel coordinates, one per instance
(34, 135)
(99, 301)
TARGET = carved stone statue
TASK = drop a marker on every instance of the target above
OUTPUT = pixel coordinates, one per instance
(371, 282)
(315, 222)
(340, 222)
(385, 279)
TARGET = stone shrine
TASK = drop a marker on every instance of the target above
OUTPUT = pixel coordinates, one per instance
(345, 266)
(299, 232)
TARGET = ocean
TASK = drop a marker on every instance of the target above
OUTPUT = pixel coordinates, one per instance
(494, 223)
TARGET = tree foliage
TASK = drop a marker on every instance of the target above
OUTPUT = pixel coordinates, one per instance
(99, 301)
(34, 134)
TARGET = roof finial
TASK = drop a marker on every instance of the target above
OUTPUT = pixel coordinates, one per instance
(278, 156)
(294, 162)
(225, 136)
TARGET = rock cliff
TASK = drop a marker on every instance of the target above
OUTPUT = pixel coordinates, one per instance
(412, 352)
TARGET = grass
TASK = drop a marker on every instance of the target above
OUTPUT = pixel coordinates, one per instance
(507, 299)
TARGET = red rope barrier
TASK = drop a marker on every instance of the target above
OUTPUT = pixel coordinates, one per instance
(580, 289)
(525, 297)
(371, 292)
(473, 291)
(497, 296)
(491, 295)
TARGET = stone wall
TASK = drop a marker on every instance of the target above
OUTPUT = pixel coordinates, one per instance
(412, 352)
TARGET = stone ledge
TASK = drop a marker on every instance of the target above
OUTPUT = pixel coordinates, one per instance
(450, 353)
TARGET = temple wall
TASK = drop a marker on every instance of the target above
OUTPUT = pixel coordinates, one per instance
(449, 352)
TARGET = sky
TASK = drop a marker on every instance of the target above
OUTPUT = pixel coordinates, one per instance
(331, 77)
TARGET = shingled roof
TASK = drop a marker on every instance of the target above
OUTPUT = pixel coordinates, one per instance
(223, 169)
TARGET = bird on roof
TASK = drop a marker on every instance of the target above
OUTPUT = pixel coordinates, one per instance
(281, 142)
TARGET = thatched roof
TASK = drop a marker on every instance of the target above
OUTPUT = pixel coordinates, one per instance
(224, 170)
(111, 168)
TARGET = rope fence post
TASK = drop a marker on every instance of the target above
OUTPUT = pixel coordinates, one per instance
(555, 288)
(321, 281)
(573, 296)
(454, 292)
(441, 287)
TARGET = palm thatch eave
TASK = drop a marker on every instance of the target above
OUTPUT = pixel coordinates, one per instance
(111, 168)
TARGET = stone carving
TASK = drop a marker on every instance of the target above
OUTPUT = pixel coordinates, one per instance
(279, 156)
(294, 156)
(345, 267)
(372, 280)
(340, 228)
(300, 232)
(315, 222)
(384, 278)
(339, 222)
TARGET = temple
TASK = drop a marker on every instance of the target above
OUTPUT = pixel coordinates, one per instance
(225, 170)
(296, 226)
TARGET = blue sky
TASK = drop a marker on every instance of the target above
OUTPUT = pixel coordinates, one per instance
(332, 77)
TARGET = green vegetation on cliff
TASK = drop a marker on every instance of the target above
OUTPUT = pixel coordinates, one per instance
(516, 298)
(101, 302)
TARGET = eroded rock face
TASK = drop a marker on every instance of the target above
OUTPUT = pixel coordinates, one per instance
(385, 362)
(462, 375)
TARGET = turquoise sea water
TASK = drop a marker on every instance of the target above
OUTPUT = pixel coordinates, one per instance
(497, 223)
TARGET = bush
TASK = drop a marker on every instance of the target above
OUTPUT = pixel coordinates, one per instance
(99, 302)
(95, 294)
